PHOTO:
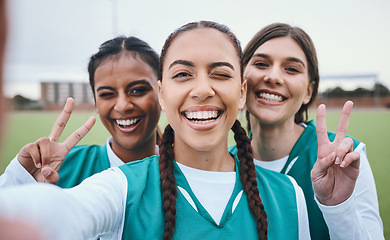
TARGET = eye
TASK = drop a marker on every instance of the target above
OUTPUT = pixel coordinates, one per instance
(181, 75)
(106, 94)
(261, 64)
(292, 70)
(139, 91)
(221, 76)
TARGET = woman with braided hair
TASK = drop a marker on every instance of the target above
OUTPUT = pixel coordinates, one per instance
(195, 189)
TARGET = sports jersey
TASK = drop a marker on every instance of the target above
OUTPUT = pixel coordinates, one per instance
(299, 164)
(125, 203)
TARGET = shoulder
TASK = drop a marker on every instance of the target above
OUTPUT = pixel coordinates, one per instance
(142, 174)
(274, 180)
(311, 128)
(144, 165)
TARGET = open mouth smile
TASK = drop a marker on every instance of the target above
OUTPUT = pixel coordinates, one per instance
(202, 117)
(270, 97)
(129, 124)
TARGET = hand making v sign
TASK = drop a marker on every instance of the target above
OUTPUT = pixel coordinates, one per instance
(337, 168)
(43, 158)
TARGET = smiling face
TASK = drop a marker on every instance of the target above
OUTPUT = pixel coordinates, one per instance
(201, 91)
(127, 101)
(278, 81)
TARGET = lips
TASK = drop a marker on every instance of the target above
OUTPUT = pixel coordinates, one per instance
(270, 96)
(202, 117)
(128, 124)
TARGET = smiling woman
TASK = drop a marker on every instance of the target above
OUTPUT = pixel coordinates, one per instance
(195, 189)
(123, 78)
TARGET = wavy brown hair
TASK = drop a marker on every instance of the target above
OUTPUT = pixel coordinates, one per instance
(277, 30)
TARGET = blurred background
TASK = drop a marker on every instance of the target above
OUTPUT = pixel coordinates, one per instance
(50, 41)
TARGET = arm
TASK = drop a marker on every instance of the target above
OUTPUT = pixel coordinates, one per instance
(15, 174)
(93, 209)
(344, 190)
(358, 217)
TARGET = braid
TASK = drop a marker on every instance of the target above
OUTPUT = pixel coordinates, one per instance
(248, 179)
(248, 120)
(168, 182)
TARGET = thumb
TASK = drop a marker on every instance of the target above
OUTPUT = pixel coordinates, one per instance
(49, 175)
(321, 167)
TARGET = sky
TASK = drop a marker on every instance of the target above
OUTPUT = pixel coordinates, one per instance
(52, 40)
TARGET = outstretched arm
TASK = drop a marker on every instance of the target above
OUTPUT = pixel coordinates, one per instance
(93, 209)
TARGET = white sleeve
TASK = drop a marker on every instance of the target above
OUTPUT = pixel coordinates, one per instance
(358, 217)
(15, 174)
(303, 219)
(93, 209)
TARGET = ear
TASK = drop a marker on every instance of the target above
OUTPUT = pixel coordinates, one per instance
(243, 95)
(309, 92)
(160, 95)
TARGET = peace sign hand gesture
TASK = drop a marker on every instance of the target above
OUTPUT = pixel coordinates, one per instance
(43, 158)
(335, 173)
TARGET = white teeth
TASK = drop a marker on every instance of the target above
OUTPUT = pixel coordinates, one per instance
(127, 122)
(271, 97)
(197, 116)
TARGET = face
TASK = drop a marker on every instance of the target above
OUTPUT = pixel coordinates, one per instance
(127, 100)
(278, 81)
(201, 91)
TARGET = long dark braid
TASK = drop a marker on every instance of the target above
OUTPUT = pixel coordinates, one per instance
(168, 182)
(248, 179)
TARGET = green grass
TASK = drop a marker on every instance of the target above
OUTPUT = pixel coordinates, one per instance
(370, 127)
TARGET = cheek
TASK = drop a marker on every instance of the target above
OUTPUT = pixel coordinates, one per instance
(102, 107)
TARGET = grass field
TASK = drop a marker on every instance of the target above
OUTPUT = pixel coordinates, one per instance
(369, 126)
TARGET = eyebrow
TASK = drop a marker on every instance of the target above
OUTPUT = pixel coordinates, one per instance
(138, 82)
(291, 59)
(181, 62)
(191, 64)
(221, 64)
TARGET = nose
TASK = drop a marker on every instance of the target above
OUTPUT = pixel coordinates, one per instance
(274, 76)
(123, 103)
(202, 88)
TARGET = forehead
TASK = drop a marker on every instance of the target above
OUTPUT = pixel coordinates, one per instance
(203, 44)
(283, 47)
(128, 65)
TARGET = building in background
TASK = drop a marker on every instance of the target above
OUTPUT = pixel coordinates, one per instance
(54, 95)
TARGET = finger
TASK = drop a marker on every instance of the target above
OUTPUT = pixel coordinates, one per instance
(29, 153)
(342, 126)
(343, 148)
(322, 136)
(321, 167)
(77, 135)
(50, 176)
(61, 121)
(351, 159)
(43, 145)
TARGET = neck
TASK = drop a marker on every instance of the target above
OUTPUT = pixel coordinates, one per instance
(272, 142)
(217, 159)
(139, 152)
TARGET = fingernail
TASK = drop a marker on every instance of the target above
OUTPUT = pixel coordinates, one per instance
(39, 165)
(342, 164)
(46, 172)
(337, 160)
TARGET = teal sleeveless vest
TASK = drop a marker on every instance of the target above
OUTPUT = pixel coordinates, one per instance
(144, 217)
(305, 150)
(82, 162)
